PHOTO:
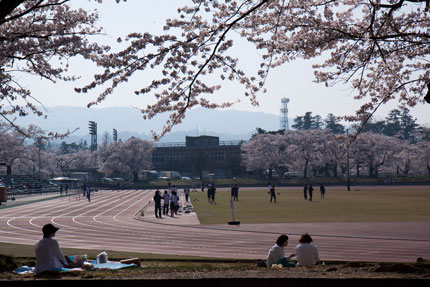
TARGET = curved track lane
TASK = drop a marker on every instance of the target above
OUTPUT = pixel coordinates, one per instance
(108, 223)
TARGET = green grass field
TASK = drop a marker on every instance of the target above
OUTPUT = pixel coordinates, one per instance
(361, 204)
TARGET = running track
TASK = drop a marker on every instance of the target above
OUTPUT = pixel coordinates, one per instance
(109, 223)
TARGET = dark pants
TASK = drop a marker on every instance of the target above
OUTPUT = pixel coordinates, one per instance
(272, 196)
(166, 209)
(158, 210)
(186, 197)
(310, 195)
(305, 194)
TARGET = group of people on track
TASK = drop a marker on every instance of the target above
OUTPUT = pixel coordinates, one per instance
(170, 202)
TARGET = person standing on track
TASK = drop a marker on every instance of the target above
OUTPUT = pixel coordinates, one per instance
(187, 192)
(173, 199)
(157, 201)
(84, 189)
(176, 203)
(166, 199)
(48, 253)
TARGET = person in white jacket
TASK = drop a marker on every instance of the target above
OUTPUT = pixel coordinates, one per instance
(277, 252)
(48, 254)
(307, 253)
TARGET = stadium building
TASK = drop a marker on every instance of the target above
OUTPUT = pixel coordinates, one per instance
(201, 156)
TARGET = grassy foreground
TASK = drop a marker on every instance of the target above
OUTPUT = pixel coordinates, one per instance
(361, 204)
(27, 251)
(182, 267)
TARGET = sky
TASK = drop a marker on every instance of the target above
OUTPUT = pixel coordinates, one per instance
(293, 80)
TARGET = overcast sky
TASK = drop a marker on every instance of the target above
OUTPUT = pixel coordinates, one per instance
(293, 80)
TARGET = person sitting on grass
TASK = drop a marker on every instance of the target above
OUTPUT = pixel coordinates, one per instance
(277, 254)
(48, 254)
(307, 253)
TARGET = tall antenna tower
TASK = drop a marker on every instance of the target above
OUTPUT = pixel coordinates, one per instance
(284, 114)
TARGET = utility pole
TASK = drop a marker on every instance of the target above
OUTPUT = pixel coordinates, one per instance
(348, 183)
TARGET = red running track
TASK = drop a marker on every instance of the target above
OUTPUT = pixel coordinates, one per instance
(108, 222)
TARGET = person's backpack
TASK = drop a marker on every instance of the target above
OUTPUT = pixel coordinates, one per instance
(260, 263)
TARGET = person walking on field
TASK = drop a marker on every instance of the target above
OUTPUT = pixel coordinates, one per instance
(272, 193)
(322, 190)
(209, 192)
(235, 193)
(212, 193)
(311, 189)
(157, 201)
(166, 199)
(305, 191)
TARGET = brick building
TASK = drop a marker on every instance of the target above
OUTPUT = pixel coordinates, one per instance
(199, 156)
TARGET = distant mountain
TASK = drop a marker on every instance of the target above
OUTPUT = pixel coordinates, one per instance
(227, 124)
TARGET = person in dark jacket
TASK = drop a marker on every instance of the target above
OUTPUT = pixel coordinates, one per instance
(157, 201)
(272, 193)
(235, 193)
(322, 190)
(310, 192)
(305, 191)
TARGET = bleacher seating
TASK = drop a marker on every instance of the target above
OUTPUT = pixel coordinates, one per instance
(26, 185)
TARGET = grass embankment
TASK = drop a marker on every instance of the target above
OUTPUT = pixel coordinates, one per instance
(361, 204)
(155, 265)
(184, 267)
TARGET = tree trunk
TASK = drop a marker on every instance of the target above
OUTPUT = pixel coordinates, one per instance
(358, 169)
(326, 170)
(135, 176)
(335, 170)
(305, 170)
(371, 171)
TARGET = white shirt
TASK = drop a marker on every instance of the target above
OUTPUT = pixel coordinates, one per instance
(275, 253)
(48, 255)
(166, 198)
(175, 199)
(307, 254)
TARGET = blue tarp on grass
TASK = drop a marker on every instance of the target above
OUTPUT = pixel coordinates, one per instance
(111, 265)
